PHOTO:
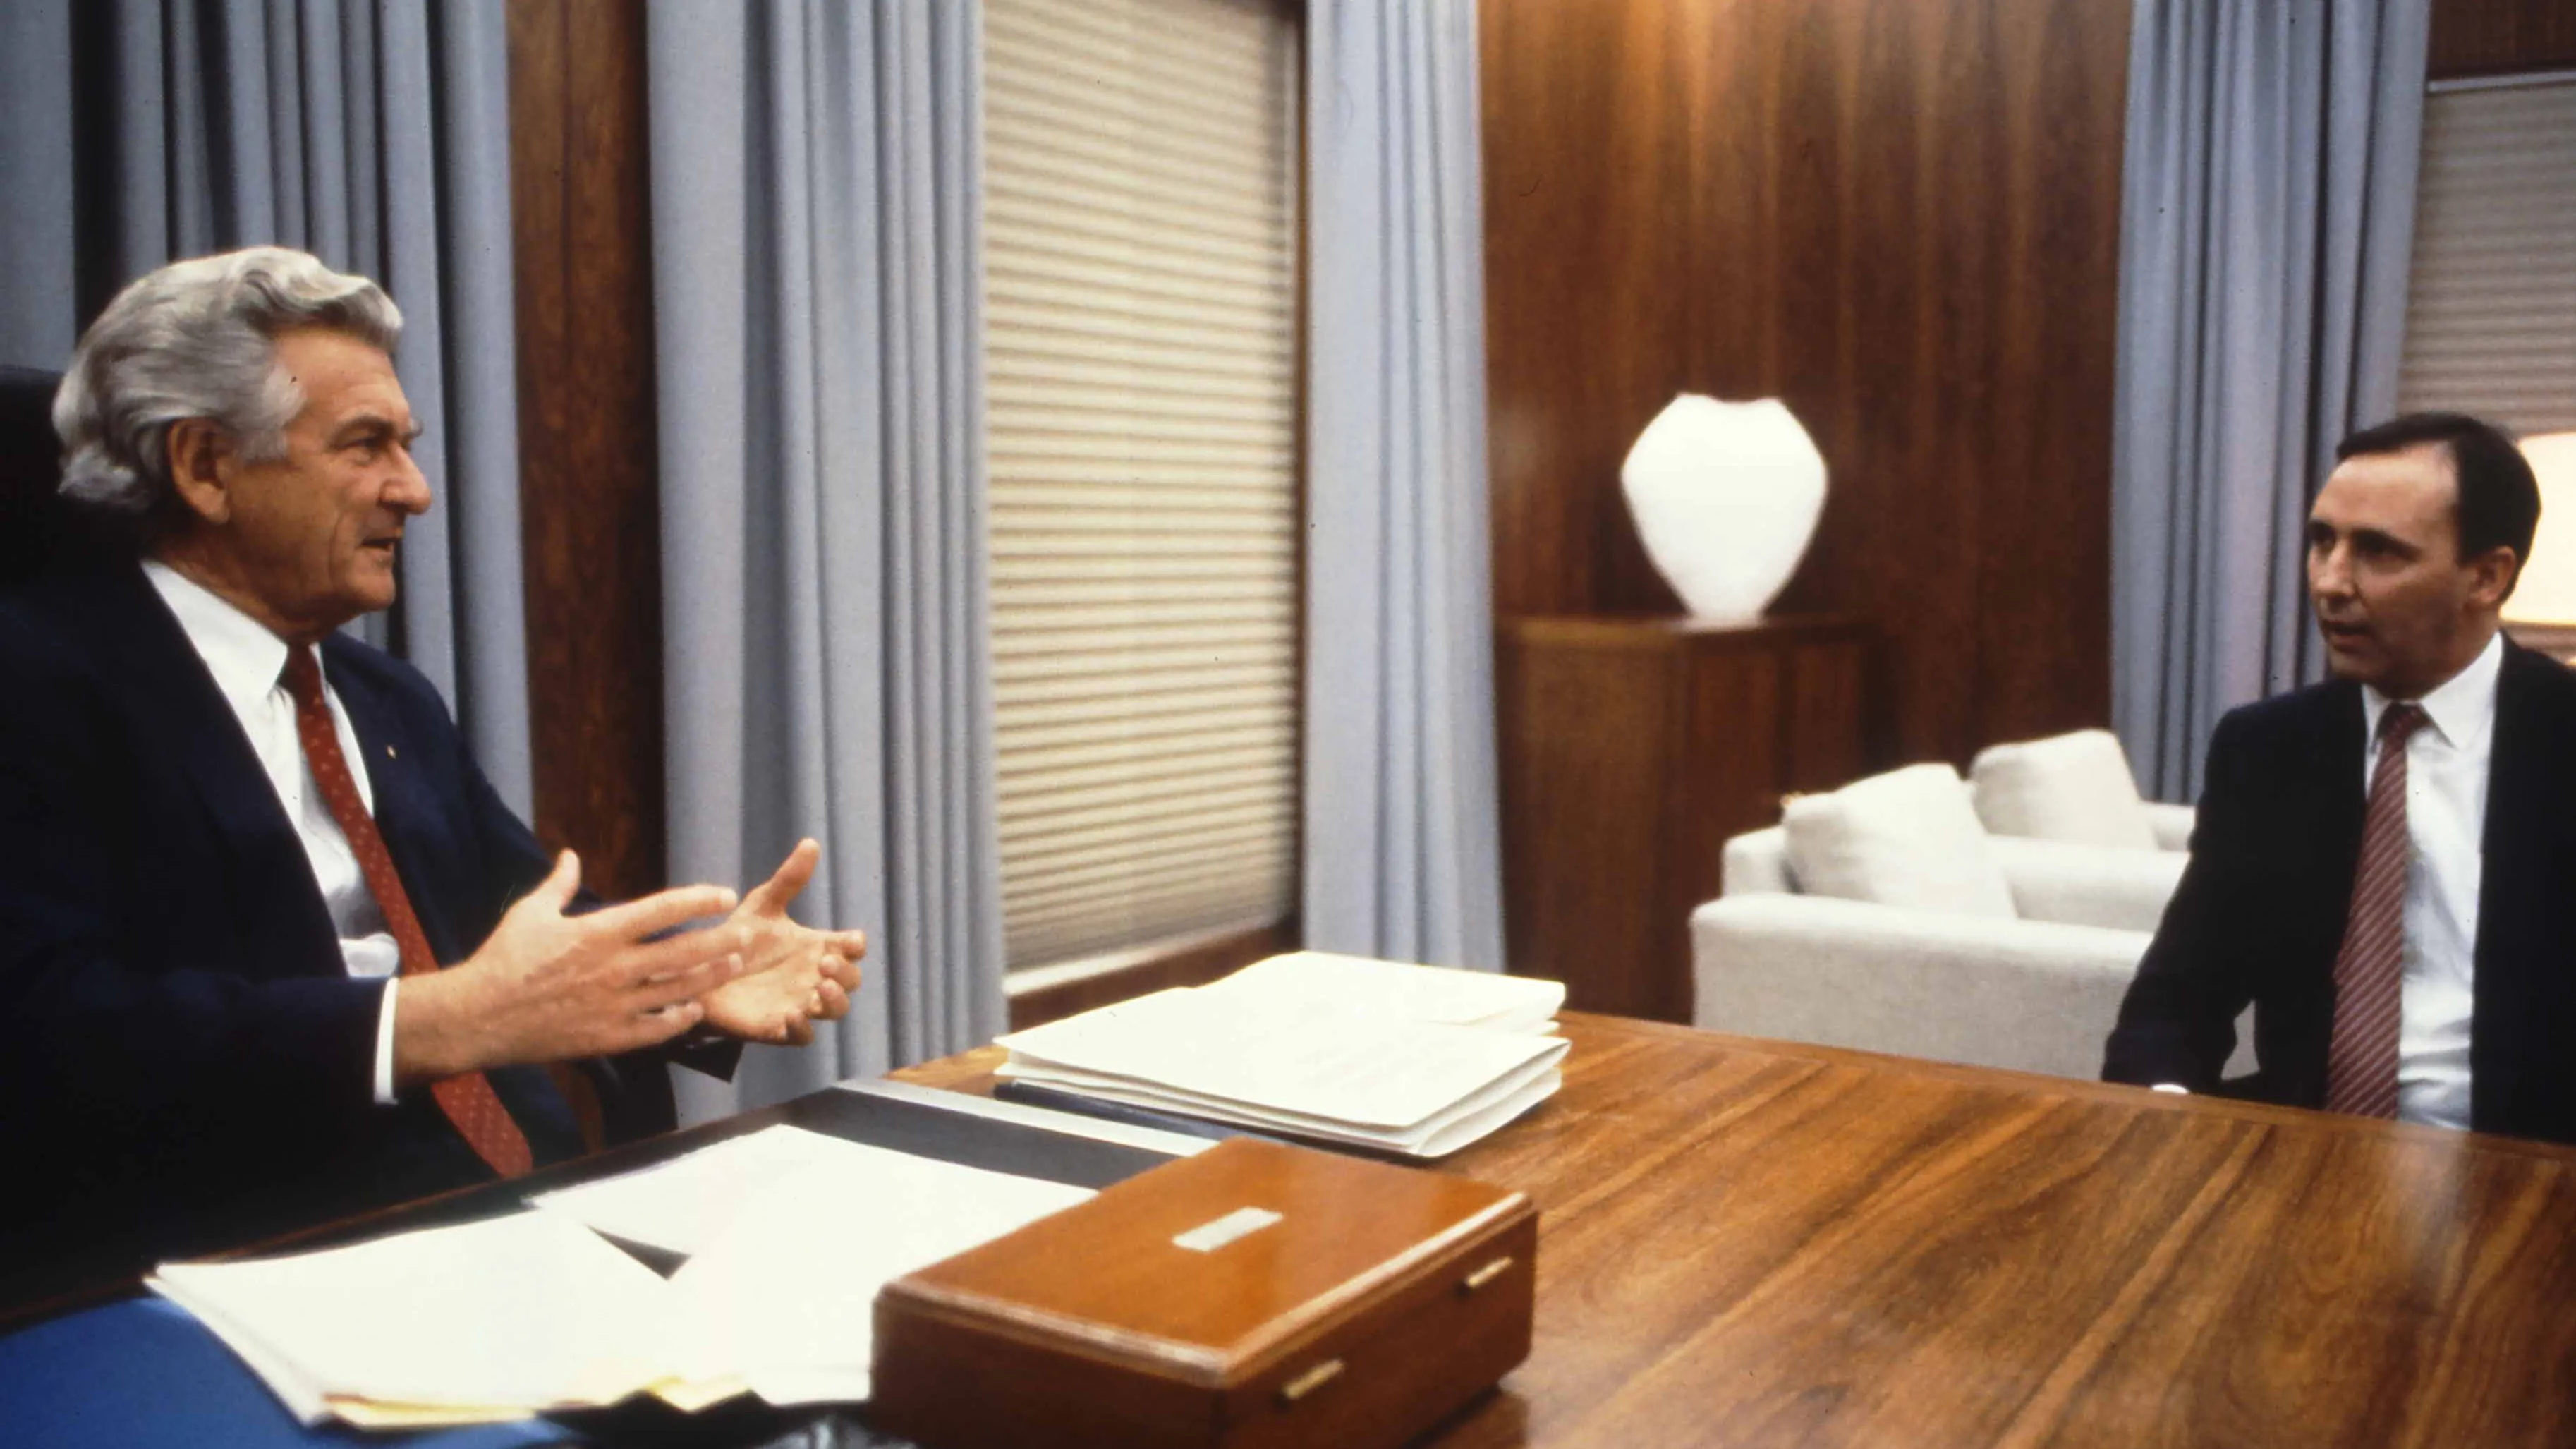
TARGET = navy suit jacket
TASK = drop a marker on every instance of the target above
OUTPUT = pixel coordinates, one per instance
(2259, 914)
(188, 1063)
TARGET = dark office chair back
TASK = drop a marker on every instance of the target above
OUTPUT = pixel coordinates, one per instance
(38, 529)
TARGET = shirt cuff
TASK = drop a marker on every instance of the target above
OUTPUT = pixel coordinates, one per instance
(385, 1046)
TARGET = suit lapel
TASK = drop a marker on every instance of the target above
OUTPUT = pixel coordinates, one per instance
(2515, 885)
(406, 811)
(2335, 755)
(379, 737)
(2516, 763)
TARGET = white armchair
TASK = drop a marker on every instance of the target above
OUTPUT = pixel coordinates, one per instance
(2035, 987)
(2075, 788)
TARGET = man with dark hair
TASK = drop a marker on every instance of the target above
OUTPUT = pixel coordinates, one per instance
(2384, 865)
(271, 949)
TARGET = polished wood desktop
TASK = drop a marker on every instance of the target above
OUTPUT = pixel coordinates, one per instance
(1757, 1243)
(1748, 1242)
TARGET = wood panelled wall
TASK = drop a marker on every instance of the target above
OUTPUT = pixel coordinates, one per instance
(578, 188)
(1901, 217)
(2501, 37)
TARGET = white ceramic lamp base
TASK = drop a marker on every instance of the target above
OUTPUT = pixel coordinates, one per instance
(1726, 496)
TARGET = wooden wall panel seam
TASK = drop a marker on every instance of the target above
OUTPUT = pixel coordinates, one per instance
(579, 172)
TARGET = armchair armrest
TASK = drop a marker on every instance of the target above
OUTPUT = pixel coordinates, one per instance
(2119, 887)
(2036, 996)
(1756, 862)
(2172, 824)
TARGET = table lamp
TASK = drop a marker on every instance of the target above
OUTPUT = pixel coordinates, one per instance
(2542, 612)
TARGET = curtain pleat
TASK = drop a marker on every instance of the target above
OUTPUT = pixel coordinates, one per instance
(1401, 821)
(816, 176)
(2267, 210)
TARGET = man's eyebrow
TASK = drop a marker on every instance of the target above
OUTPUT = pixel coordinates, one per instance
(363, 423)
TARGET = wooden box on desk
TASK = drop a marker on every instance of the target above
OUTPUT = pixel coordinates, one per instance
(1381, 1299)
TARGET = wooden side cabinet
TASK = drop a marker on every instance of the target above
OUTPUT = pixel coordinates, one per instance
(1632, 748)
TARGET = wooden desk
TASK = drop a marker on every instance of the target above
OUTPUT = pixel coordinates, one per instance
(1754, 1243)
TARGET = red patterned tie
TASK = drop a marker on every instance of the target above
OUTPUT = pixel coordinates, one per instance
(468, 1100)
(2370, 970)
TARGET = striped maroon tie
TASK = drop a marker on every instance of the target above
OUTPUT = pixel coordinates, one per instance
(468, 1100)
(2370, 970)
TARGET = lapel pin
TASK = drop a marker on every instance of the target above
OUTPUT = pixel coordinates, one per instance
(389, 752)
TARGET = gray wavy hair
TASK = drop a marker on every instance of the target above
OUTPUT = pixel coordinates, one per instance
(197, 339)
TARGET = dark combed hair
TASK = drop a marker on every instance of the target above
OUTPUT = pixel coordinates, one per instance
(2499, 498)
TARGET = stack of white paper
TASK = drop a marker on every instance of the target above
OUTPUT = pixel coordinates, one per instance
(791, 1235)
(1394, 991)
(1377, 1054)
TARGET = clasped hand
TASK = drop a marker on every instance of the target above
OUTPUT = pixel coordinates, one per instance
(549, 987)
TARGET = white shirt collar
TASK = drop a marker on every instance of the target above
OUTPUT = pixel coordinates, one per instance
(2462, 709)
(245, 659)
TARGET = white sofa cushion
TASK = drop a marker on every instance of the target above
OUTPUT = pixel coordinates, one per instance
(1905, 838)
(2089, 885)
(2075, 788)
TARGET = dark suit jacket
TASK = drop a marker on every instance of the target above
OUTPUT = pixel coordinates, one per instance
(188, 1063)
(2260, 911)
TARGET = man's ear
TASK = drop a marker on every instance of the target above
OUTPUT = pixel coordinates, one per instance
(2492, 575)
(201, 468)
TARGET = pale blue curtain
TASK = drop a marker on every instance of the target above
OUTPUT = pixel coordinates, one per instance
(1401, 833)
(373, 133)
(816, 252)
(2268, 213)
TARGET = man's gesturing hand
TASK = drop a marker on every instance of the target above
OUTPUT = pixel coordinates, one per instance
(549, 987)
(793, 974)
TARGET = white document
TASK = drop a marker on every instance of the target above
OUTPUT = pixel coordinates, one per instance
(1437, 1136)
(792, 1234)
(1305, 980)
(785, 1297)
(529, 1311)
(1045, 1119)
(1317, 1063)
(684, 1203)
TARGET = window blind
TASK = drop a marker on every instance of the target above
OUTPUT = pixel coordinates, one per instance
(2491, 295)
(1140, 261)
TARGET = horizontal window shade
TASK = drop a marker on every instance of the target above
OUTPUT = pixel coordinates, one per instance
(1141, 316)
(2491, 295)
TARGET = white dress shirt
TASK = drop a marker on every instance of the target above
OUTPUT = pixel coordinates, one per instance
(2446, 816)
(249, 666)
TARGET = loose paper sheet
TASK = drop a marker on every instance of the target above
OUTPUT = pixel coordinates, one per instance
(682, 1204)
(785, 1298)
(526, 1311)
(795, 1232)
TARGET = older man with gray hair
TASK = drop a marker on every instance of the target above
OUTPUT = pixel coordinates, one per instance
(271, 948)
